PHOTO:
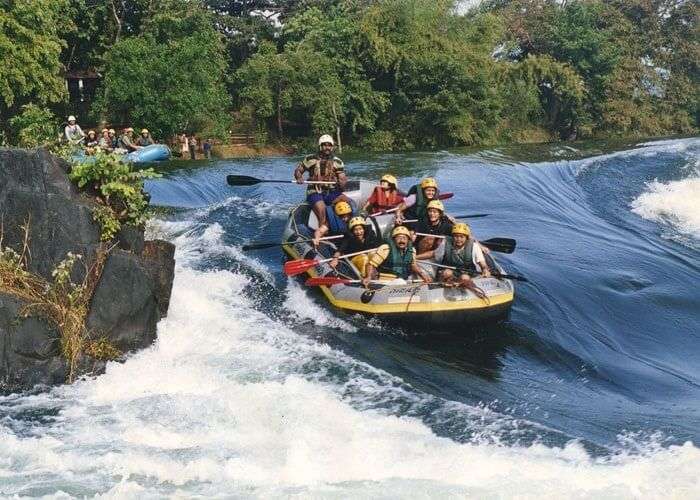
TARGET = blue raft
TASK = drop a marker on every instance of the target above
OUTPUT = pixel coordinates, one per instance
(147, 154)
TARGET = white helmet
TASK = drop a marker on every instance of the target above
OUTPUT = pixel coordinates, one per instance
(71, 118)
(325, 138)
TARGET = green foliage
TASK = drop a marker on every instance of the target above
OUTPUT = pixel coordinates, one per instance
(171, 77)
(31, 34)
(379, 140)
(34, 127)
(119, 189)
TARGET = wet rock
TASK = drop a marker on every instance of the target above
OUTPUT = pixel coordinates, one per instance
(131, 295)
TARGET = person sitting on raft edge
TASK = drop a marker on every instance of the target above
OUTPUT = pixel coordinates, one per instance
(360, 237)
(336, 223)
(397, 258)
(73, 133)
(385, 196)
(414, 205)
(145, 138)
(126, 141)
(323, 167)
(462, 251)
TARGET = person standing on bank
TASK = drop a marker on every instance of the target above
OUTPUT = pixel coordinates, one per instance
(325, 167)
(193, 147)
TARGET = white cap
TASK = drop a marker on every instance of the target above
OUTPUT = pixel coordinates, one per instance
(325, 138)
(71, 118)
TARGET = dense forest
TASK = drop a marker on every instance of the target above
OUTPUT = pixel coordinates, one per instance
(388, 74)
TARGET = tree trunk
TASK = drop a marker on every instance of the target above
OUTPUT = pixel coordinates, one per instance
(279, 112)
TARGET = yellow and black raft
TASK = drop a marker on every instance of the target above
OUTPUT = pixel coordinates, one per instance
(396, 300)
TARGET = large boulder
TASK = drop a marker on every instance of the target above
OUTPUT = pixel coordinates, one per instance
(131, 295)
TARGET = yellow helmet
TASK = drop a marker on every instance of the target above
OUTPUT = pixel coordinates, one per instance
(400, 230)
(435, 204)
(342, 208)
(144, 130)
(105, 130)
(461, 228)
(356, 221)
(428, 182)
(390, 179)
(112, 131)
(92, 132)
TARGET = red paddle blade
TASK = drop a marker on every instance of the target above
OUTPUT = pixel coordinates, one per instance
(326, 281)
(445, 196)
(294, 267)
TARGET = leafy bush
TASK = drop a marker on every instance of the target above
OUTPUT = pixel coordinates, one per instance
(35, 126)
(119, 190)
(381, 140)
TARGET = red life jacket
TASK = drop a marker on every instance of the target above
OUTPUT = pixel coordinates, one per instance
(386, 199)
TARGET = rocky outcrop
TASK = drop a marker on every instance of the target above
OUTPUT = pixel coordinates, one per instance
(133, 291)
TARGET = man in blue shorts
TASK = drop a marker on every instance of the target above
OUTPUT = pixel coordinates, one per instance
(323, 167)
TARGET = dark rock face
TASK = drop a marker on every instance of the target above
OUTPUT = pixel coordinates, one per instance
(133, 291)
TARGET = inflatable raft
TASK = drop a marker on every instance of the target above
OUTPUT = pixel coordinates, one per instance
(147, 154)
(397, 300)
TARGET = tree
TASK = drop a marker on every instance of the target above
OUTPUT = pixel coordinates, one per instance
(30, 47)
(171, 77)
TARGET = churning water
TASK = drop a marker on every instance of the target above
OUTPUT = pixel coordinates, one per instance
(256, 389)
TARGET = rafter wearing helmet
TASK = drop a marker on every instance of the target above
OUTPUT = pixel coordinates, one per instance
(415, 205)
(385, 196)
(323, 166)
(462, 251)
(395, 259)
(336, 221)
(434, 222)
(360, 236)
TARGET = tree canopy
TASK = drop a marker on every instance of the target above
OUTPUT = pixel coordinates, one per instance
(386, 73)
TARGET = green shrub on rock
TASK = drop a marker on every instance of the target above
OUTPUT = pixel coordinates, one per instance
(118, 188)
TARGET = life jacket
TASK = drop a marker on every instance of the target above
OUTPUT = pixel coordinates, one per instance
(398, 264)
(462, 258)
(322, 170)
(419, 208)
(386, 199)
(442, 228)
(336, 225)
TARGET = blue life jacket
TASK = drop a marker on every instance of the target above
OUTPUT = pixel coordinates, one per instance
(336, 225)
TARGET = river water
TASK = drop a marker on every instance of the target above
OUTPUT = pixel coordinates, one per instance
(255, 389)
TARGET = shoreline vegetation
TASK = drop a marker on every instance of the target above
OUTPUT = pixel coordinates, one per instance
(385, 75)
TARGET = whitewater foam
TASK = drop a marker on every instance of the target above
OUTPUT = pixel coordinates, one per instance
(676, 203)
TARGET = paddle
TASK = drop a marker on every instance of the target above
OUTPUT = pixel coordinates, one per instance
(332, 280)
(246, 180)
(259, 246)
(468, 216)
(441, 196)
(495, 275)
(502, 245)
(294, 267)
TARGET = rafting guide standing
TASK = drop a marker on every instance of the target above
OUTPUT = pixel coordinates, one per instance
(329, 171)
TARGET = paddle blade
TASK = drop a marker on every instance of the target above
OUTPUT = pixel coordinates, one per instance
(241, 180)
(326, 281)
(512, 277)
(502, 245)
(260, 246)
(471, 216)
(445, 196)
(294, 267)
